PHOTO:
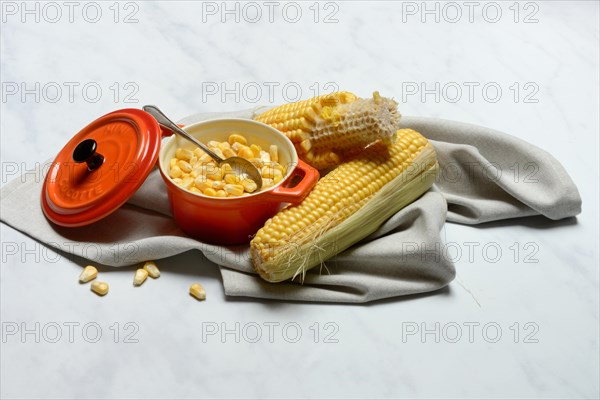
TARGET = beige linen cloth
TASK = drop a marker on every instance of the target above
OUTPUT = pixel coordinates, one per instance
(478, 182)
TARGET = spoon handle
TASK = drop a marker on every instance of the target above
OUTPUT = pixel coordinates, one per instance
(164, 121)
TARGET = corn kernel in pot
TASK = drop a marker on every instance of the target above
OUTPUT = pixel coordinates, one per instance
(217, 185)
(197, 172)
(215, 173)
(187, 182)
(184, 166)
(237, 138)
(183, 154)
(249, 185)
(255, 150)
(237, 146)
(224, 146)
(265, 157)
(234, 190)
(205, 158)
(227, 169)
(202, 182)
(246, 153)
(231, 178)
(274, 153)
(229, 153)
(175, 172)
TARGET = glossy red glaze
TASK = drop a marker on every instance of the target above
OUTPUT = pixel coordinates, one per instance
(129, 141)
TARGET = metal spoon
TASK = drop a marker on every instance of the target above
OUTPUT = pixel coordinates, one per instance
(240, 165)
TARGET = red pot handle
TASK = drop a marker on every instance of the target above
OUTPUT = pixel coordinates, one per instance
(167, 132)
(296, 194)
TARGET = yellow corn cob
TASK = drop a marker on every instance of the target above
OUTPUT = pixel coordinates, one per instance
(330, 127)
(345, 206)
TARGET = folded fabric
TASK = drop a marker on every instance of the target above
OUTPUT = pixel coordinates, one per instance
(485, 175)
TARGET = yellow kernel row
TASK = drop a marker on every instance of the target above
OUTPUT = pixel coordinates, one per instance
(197, 172)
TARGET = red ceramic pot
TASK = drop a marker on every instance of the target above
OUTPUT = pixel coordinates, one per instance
(234, 220)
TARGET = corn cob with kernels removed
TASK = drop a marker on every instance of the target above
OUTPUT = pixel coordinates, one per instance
(329, 128)
(345, 206)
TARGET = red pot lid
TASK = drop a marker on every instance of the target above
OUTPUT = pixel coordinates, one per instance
(101, 167)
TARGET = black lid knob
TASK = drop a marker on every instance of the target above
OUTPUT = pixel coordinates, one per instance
(86, 152)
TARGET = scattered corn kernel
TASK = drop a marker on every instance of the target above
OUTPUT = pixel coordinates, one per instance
(152, 269)
(89, 273)
(100, 288)
(140, 277)
(198, 291)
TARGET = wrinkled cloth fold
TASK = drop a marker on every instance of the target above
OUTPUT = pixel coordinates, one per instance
(485, 175)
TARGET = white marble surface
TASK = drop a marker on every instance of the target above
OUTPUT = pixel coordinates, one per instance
(174, 55)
